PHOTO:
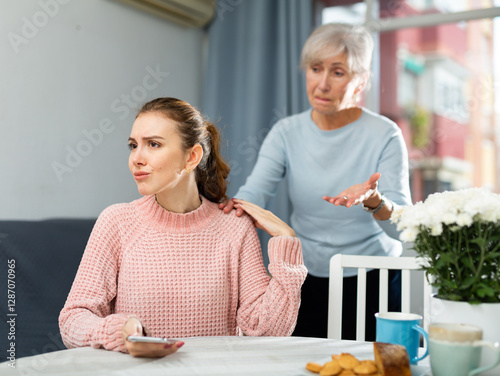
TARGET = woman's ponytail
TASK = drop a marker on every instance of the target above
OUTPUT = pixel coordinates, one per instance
(211, 174)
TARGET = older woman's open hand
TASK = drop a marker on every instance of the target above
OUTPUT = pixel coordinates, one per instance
(357, 194)
(264, 219)
(133, 327)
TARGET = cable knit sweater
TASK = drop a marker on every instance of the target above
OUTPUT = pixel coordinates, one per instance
(182, 275)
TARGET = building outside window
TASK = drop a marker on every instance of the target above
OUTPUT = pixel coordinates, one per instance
(437, 83)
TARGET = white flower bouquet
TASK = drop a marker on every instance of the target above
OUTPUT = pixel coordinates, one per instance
(458, 234)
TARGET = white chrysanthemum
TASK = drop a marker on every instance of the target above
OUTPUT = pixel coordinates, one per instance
(452, 208)
(491, 214)
(409, 234)
(449, 218)
(436, 229)
(396, 215)
(464, 219)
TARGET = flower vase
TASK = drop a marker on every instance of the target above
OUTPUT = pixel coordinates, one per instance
(484, 315)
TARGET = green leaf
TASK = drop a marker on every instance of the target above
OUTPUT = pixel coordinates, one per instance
(479, 241)
(484, 291)
(468, 264)
(467, 283)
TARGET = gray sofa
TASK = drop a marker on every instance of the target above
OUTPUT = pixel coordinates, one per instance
(46, 256)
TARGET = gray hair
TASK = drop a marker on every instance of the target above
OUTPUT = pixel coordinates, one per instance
(335, 38)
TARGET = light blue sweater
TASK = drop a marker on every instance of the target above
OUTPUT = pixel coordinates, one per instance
(317, 163)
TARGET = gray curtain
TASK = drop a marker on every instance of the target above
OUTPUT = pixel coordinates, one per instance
(253, 79)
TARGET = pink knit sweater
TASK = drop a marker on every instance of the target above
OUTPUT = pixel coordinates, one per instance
(182, 275)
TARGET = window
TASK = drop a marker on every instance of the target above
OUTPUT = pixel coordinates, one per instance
(407, 88)
(353, 14)
(428, 59)
(449, 92)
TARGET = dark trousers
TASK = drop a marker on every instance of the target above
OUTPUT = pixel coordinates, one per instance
(313, 313)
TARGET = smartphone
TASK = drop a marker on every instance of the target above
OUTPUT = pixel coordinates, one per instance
(151, 339)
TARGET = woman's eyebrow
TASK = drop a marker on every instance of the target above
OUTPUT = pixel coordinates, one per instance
(338, 63)
(148, 138)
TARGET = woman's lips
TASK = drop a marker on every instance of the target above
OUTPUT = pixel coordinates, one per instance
(140, 175)
(323, 100)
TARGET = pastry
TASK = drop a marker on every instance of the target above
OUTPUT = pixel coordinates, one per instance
(391, 360)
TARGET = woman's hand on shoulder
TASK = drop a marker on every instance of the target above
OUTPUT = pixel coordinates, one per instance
(264, 219)
(133, 327)
(228, 205)
(357, 193)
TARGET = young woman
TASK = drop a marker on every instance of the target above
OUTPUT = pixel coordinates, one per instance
(171, 264)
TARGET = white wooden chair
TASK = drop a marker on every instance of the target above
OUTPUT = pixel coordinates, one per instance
(364, 263)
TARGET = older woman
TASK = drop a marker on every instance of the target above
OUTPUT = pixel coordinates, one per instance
(333, 145)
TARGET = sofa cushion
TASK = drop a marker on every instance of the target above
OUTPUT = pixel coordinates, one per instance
(46, 256)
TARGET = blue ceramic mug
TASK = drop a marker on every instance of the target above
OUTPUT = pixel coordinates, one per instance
(402, 329)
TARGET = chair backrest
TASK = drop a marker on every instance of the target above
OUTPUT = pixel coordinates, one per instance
(364, 263)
